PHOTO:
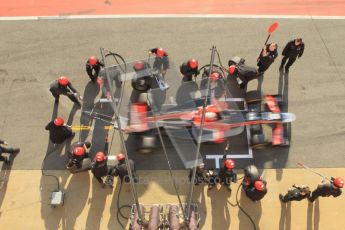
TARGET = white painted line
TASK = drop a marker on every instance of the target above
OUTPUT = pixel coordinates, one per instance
(126, 16)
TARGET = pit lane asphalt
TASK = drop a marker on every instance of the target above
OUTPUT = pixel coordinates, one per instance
(34, 53)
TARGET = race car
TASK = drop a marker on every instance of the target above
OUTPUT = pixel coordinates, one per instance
(180, 107)
(221, 119)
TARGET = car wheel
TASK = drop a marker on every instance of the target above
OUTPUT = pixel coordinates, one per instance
(253, 97)
(141, 85)
(258, 141)
(148, 143)
(251, 172)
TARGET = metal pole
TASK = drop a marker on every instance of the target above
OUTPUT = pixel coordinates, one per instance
(124, 149)
(166, 156)
(200, 136)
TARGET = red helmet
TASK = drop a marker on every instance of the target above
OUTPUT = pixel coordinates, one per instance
(215, 76)
(139, 65)
(99, 157)
(93, 60)
(120, 156)
(59, 121)
(229, 164)
(78, 151)
(160, 52)
(339, 182)
(259, 185)
(193, 63)
(232, 69)
(63, 80)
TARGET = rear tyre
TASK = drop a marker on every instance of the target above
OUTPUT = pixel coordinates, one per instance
(148, 143)
(253, 97)
(142, 85)
(258, 141)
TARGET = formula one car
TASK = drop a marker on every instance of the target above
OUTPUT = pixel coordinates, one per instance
(220, 121)
(180, 107)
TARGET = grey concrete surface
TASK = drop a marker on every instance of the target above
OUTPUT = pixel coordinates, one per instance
(34, 53)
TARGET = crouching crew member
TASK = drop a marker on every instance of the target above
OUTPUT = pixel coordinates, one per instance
(226, 173)
(99, 168)
(255, 191)
(59, 131)
(79, 160)
(120, 169)
(296, 193)
(203, 176)
(189, 69)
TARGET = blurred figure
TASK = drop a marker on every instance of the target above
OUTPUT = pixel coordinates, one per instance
(59, 131)
(296, 193)
(7, 150)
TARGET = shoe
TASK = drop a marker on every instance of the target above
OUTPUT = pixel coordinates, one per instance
(78, 104)
(281, 198)
(16, 151)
